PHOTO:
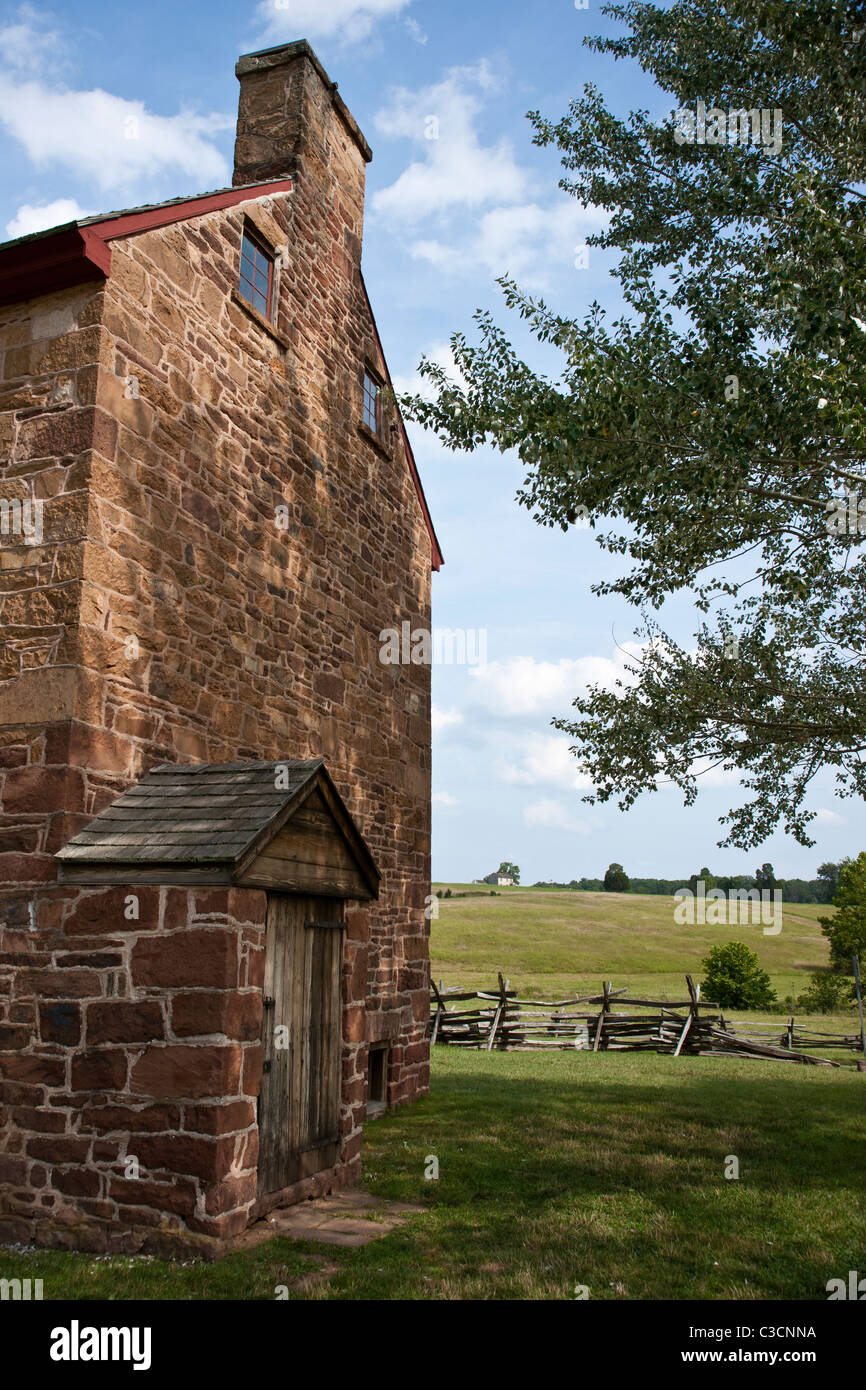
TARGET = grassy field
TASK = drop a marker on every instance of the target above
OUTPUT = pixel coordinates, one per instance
(566, 1169)
(571, 1169)
(555, 943)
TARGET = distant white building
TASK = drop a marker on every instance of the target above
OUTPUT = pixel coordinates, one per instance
(499, 880)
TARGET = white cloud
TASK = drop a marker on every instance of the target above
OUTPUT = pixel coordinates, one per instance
(526, 686)
(441, 718)
(520, 241)
(544, 760)
(455, 171)
(444, 799)
(27, 45)
(282, 21)
(415, 31)
(456, 168)
(110, 140)
(827, 817)
(32, 218)
(554, 816)
(416, 385)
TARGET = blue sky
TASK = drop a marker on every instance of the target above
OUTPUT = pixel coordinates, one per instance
(105, 105)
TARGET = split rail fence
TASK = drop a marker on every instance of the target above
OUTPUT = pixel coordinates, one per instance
(678, 1027)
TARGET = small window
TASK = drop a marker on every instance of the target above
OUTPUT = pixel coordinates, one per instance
(257, 275)
(377, 1070)
(372, 403)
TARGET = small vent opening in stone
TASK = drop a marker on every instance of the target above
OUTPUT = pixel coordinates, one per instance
(377, 1073)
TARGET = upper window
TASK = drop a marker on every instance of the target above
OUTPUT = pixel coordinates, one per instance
(372, 403)
(257, 275)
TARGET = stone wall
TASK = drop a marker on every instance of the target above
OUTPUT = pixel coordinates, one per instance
(223, 542)
(129, 1090)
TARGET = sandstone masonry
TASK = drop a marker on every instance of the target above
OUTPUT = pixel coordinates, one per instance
(222, 542)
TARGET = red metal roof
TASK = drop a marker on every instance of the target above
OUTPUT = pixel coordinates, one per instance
(79, 251)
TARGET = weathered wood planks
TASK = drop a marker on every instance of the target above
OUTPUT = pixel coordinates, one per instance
(677, 1027)
(299, 1101)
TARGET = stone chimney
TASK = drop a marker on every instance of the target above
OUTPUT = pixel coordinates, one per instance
(291, 120)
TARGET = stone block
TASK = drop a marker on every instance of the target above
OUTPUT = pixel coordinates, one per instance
(193, 1072)
(202, 957)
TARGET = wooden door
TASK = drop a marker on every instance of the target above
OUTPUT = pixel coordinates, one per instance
(299, 1101)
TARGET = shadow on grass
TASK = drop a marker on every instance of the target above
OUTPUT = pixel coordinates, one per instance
(615, 1168)
(785, 1126)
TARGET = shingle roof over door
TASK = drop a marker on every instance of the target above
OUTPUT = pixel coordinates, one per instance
(212, 822)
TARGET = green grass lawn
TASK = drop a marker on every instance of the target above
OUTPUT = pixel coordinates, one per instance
(563, 1169)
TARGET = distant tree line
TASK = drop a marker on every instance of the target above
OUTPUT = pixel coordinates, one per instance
(793, 890)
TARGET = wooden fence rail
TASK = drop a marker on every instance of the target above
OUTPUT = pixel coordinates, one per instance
(505, 1022)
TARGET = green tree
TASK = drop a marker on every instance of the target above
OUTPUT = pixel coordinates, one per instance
(765, 878)
(846, 929)
(709, 881)
(734, 978)
(826, 994)
(828, 875)
(717, 425)
(616, 879)
(511, 869)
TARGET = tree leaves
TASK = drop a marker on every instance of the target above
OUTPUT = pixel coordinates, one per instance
(715, 423)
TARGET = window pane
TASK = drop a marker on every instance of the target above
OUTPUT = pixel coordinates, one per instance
(371, 403)
(254, 281)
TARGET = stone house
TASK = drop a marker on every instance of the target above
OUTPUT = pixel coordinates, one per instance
(214, 796)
